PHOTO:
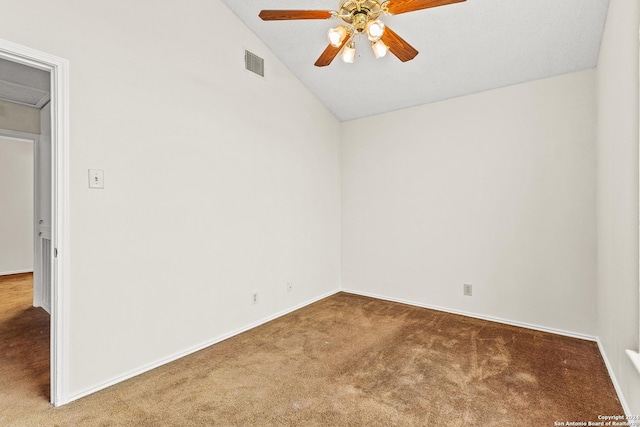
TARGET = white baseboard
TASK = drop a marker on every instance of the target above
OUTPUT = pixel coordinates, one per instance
(477, 316)
(614, 380)
(196, 348)
(46, 308)
(223, 337)
(9, 273)
(635, 358)
(616, 385)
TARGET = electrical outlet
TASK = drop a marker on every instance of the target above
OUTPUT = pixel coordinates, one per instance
(467, 289)
(254, 298)
(289, 287)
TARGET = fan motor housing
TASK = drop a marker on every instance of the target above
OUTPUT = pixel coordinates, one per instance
(359, 12)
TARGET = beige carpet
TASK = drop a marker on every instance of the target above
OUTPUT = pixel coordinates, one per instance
(344, 361)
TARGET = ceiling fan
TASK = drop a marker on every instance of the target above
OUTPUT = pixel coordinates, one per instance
(360, 17)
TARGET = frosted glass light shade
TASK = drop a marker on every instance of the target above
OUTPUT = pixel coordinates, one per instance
(375, 29)
(336, 35)
(349, 53)
(379, 48)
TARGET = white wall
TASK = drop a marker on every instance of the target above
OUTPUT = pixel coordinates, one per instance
(617, 194)
(217, 183)
(16, 206)
(494, 189)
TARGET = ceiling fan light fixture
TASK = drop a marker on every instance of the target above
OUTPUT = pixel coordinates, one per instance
(349, 53)
(336, 35)
(379, 48)
(360, 17)
(375, 30)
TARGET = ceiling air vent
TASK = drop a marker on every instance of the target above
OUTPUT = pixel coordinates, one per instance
(253, 63)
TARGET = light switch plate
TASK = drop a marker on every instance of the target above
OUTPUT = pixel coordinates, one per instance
(96, 178)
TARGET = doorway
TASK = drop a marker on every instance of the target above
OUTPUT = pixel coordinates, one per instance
(17, 188)
(58, 69)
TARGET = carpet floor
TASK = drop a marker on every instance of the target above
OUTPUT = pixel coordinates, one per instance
(344, 361)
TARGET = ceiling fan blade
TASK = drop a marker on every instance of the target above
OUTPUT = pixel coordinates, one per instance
(330, 53)
(398, 46)
(402, 6)
(281, 15)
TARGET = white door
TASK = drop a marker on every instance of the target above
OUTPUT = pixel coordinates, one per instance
(42, 274)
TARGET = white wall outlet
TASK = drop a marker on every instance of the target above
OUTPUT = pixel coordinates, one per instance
(96, 178)
(467, 289)
(254, 298)
(289, 287)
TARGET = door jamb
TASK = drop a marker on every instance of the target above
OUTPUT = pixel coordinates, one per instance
(59, 72)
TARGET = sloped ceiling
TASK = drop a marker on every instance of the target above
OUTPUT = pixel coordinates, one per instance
(464, 48)
(23, 85)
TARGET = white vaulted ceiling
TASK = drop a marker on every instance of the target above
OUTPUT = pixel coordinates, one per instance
(464, 48)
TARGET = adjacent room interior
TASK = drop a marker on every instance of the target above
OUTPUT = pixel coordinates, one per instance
(233, 208)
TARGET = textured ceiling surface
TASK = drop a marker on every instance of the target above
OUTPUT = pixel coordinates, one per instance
(464, 48)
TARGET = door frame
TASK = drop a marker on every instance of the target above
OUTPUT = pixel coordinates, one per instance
(59, 72)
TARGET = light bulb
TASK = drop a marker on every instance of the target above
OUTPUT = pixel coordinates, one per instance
(379, 48)
(375, 29)
(349, 53)
(336, 35)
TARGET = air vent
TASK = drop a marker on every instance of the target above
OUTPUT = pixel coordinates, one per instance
(253, 63)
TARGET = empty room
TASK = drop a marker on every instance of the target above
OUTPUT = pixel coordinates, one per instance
(335, 212)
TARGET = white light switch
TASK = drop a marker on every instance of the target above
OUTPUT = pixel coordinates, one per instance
(96, 178)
